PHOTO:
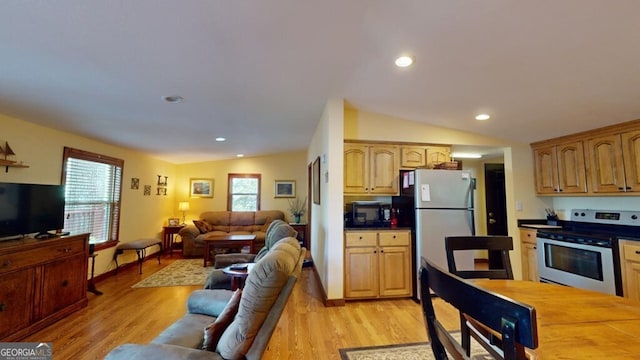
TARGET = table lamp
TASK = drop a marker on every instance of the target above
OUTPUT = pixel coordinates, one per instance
(184, 207)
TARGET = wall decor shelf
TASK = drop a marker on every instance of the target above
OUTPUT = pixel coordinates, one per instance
(7, 164)
(7, 151)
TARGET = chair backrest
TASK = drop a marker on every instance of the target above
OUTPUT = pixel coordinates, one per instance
(494, 244)
(514, 321)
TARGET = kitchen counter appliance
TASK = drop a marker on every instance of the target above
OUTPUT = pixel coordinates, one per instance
(584, 253)
(443, 207)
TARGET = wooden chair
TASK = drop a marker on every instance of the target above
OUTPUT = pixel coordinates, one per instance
(513, 321)
(499, 246)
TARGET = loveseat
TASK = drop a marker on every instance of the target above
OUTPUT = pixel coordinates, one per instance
(261, 302)
(212, 223)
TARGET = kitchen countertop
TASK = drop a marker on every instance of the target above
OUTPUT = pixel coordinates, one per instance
(541, 226)
(377, 228)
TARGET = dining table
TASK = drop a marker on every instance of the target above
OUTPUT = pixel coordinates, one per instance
(575, 323)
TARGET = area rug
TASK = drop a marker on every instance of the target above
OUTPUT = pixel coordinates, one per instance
(178, 273)
(412, 351)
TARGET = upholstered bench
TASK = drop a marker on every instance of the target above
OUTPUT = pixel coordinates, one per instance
(140, 246)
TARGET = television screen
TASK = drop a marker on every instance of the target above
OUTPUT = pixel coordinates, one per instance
(30, 208)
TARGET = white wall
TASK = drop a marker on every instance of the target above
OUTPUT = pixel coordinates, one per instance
(327, 218)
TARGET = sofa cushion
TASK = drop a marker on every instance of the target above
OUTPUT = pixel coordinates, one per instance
(187, 331)
(202, 226)
(213, 332)
(262, 287)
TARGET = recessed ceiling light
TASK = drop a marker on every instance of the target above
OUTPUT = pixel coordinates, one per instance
(483, 117)
(240, 155)
(220, 139)
(173, 99)
(466, 156)
(404, 61)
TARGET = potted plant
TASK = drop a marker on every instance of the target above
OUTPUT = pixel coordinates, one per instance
(297, 208)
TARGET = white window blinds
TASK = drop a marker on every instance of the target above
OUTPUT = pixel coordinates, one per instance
(93, 186)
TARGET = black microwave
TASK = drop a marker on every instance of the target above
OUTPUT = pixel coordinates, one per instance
(369, 214)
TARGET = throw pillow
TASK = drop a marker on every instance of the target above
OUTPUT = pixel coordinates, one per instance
(213, 332)
(203, 226)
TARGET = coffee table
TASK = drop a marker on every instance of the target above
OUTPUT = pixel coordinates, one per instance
(238, 273)
(226, 241)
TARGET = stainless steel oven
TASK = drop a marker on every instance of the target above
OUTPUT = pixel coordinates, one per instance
(570, 262)
(584, 253)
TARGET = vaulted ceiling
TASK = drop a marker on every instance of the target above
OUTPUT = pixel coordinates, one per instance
(259, 72)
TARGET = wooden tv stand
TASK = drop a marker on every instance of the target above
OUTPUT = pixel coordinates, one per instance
(41, 282)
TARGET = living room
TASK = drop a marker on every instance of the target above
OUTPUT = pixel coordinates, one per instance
(342, 86)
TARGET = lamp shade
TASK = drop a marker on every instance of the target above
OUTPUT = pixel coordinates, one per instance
(183, 206)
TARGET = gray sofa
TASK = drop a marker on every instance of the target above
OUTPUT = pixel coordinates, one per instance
(227, 222)
(267, 289)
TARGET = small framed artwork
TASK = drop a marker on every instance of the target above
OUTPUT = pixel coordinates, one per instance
(161, 181)
(147, 190)
(174, 221)
(135, 183)
(201, 187)
(316, 181)
(285, 189)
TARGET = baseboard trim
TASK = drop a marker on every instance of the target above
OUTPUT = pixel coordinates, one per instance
(325, 300)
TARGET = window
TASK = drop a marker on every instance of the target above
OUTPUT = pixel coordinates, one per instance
(93, 187)
(244, 192)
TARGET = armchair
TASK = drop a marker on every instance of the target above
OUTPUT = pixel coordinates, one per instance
(277, 230)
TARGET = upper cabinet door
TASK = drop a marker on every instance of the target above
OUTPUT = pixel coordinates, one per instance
(571, 171)
(384, 169)
(413, 156)
(606, 167)
(631, 155)
(546, 170)
(356, 168)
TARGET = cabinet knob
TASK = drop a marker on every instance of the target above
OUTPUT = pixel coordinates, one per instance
(621, 189)
(535, 248)
(6, 263)
(3, 307)
(637, 252)
(394, 236)
(65, 283)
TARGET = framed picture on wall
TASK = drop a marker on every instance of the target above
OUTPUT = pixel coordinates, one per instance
(201, 187)
(316, 181)
(285, 188)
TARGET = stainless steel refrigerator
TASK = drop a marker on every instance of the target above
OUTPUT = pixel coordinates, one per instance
(444, 207)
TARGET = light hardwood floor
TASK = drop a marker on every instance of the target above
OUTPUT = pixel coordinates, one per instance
(307, 329)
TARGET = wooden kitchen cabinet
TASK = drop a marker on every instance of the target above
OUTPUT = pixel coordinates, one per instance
(41, 282)
(437, 155)
(371, 169)
(529, 254)
(560, 168)
(377, 264)
(630, 266)
(413, 157)
(614, 163)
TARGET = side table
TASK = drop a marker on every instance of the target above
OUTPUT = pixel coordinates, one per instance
(238, 273)
(167, 237)
(303, 236)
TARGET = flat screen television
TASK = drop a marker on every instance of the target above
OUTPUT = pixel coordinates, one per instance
(30, 208)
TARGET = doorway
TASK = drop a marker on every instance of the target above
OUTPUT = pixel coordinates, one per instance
(495, 195)
(496, 202)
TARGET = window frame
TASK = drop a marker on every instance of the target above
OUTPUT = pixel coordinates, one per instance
(103, 159)
(232, 176)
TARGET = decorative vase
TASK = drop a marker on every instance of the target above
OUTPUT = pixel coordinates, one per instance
(297, 217)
